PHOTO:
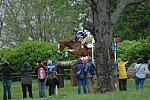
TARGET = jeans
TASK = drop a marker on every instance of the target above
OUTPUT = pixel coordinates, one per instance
(41, 85)
(83, 82)
(6, 88)
(139, 83)
(24, 90)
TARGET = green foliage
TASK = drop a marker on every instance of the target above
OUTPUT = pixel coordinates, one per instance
(31, 52)
(41, 17)
(5, 54)
(132, 50)
(135, 22)
(67, 74)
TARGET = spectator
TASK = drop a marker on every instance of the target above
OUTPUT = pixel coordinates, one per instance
(40, 71)
(81, 79)
(122, 75)
(140, 74)
(6, 71)
(90, 72)
(115, 74)
(26, 80)
(51, 76)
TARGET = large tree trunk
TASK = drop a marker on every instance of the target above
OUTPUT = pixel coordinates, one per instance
(103, 51)
(104, 26)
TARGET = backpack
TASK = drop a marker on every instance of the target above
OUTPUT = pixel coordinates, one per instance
(91, 68)
(41, 73)
(149, 65)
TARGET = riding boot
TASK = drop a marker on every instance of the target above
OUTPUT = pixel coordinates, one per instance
(85, 46)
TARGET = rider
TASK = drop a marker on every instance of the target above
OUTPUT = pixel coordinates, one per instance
(80, 35)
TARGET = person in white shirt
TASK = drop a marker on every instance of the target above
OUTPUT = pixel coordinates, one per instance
(140, 74)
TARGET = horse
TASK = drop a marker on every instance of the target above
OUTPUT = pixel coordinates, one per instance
(75, 46)
(82, 52)
(70, 43)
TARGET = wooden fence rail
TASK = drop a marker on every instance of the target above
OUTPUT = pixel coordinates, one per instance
(60, 77)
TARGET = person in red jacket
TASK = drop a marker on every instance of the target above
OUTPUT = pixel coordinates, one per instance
(41, 77)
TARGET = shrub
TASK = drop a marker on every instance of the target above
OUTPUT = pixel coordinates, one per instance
(132, 50)
(30, 51)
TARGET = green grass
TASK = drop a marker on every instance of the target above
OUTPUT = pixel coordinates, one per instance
(70, 93)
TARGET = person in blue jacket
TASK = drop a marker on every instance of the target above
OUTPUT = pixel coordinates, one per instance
(51, 77)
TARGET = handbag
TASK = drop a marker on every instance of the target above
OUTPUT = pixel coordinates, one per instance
(146, 70)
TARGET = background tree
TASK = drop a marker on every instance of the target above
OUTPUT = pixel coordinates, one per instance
(37, 19)
(135, 23)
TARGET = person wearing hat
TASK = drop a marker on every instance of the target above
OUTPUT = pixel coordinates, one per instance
(122, 75)
(6, 71)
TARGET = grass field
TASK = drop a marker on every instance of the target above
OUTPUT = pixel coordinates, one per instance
(70, 93)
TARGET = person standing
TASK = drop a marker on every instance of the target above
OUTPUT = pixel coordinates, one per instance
(6, 71)
(80, 75)
(51, 75)
(26, 79)
(122, 75)
(140, 74)
(115, 74)
(90, 72)
(41, 76)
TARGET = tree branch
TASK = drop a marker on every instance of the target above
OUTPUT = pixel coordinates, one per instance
(133, 1)
(88, 25)
(120, 9)
(91, 2)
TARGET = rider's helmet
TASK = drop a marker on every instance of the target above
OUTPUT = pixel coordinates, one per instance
(75, 30)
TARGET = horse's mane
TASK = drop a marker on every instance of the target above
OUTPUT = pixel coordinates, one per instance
(66, 39)
(69, 40)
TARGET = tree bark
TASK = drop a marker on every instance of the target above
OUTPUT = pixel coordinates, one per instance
(103, 33)
(103, 49)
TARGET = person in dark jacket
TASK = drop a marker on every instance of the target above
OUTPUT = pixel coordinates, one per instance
(6, 71)
(26, 79)
(41, 82)
(89, 75)
(80, 75)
